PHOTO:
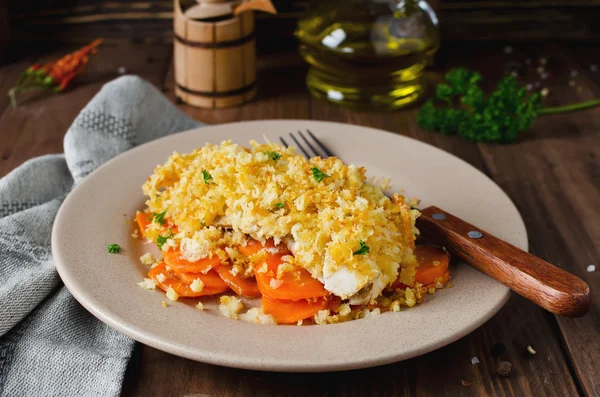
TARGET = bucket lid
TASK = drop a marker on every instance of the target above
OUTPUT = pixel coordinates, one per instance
(206, 9)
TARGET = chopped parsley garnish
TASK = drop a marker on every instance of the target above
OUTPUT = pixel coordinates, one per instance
(318, 174)
(207, 177)
(114, 248)
(161, 240)
(159, 218)
(279, 205)
(364, 249)
(273, 155)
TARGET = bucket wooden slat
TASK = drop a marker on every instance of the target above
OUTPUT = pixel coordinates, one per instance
(229, 61)
(215, 62)
(249, 50)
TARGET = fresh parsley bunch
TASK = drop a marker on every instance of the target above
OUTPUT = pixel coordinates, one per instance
(460, 107)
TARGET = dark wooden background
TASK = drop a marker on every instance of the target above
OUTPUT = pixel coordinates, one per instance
(151, 21)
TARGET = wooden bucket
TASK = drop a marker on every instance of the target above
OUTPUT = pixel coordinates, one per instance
(215, 57)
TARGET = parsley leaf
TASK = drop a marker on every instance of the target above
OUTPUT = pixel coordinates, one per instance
(280, 205)
(114, 248)
(318, 174)
(273, 155)
(160, 217)
(364, 249)
(161, 240)
(207, 177)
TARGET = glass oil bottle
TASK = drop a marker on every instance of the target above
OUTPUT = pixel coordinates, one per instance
(368, 54)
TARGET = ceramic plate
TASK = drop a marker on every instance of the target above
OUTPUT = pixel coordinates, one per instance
(99, 212)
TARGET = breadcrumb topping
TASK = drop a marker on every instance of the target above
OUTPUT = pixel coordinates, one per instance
(324, 217)
(230, 306)
(148, 284)
(147, 259)
(197, 285)
(258, 316)
(172, 295)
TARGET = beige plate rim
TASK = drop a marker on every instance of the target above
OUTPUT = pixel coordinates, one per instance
(92, 216)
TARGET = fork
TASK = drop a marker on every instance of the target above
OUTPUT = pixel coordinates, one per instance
(548, 286)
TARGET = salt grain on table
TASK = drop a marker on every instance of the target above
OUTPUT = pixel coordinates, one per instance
(474, 360)
(591, 268)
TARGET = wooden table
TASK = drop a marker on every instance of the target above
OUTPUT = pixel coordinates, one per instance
(552, 175)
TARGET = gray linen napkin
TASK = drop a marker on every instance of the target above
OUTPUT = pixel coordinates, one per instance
(49, 344)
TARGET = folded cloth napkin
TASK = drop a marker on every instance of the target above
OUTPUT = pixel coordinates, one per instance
(49, 344)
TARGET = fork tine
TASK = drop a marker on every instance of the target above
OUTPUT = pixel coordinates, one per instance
(308, 143)
(300, 146)
(327, 151)
(283, 141)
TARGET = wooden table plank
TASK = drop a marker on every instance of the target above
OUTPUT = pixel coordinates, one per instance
(38, 125)
(553, 178)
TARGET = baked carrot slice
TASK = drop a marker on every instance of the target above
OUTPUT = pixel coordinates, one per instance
(211, 279)
(442, 280)
(287, 312)
(253, 246)
(143, 220)
(296, 284)
(242, 286)
(174, 260)
(433, 263)
(182, 288)
(433, 266)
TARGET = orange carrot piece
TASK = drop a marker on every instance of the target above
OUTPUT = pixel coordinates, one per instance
(183, 289)
(143, 220)
(398, 285)
(293, 285)
(287, 312)
(443, 280)
(210, 279)
(427, 272)
(433, 263)
(174, 260)
(242, 286)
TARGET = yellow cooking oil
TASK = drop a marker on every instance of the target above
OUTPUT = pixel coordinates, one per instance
(368, 54)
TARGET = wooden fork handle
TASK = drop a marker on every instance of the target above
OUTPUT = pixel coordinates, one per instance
(546, 285)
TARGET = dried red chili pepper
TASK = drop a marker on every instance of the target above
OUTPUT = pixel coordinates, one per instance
(54, 76)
